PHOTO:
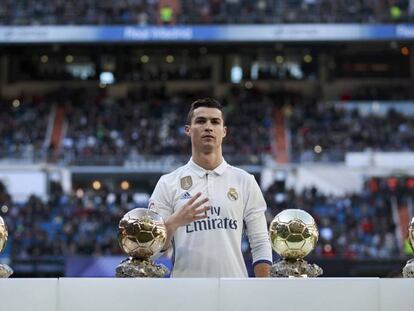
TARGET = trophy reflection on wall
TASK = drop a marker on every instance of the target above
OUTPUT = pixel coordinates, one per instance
(142, 234)
(5, 270)
(408, 270)
(293, 234)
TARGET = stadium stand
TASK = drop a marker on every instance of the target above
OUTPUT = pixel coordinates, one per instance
(355, 227)
(288, 104)
(149, 122)
(348, 131)
(23, 123)
(145, 12)
(102, 128)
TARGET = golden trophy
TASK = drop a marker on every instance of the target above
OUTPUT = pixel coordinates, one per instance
(293, 235)
(142, 234)
(408, 270)
(5, 270)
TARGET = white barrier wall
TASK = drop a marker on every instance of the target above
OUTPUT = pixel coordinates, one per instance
(28, 294)
(111, 294)
(396, 294)
(23, 181)
(395, 160)
(299, 294)
(337, 180)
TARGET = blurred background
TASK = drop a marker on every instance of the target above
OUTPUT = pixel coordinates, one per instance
(318, 97)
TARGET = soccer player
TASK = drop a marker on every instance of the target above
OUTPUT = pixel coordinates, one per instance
(205, 203)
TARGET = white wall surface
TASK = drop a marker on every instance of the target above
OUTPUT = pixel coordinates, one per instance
(337, 180)
(111, 294)
(300, 294)
(397, 294)
(23, 182)
(396, 160)
(28, 294)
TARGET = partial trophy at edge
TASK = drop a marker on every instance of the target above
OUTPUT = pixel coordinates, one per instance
(408, 270)
(5, 270)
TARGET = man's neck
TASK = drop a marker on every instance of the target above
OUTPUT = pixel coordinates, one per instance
(208, 161)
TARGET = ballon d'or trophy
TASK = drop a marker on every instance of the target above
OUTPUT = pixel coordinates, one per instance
(5, 270)
(408, 270)
(142, 234)
(293, 234)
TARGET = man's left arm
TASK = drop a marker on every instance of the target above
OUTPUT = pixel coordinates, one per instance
(257, 231)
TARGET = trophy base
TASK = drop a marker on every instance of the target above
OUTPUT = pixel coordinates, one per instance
(295, 269)
(408, 270)
(140, 268)
(5, 271)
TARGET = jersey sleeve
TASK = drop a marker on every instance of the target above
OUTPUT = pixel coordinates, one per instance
(161, 203)
(160, 200)
(256, 225)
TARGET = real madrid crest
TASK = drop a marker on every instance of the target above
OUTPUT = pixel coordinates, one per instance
(186, 182)
(232, 194)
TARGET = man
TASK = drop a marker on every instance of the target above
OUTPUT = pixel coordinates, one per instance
(205, 202)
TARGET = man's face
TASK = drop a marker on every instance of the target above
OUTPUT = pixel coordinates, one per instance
(207, 129)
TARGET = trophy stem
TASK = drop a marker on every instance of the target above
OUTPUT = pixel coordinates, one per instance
(5, 271)
(408, 270)
(140, 268)
(295, 268)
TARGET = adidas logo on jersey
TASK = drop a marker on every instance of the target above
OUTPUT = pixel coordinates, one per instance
(185, 196)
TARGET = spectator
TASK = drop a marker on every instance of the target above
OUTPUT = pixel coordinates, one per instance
(166, 15)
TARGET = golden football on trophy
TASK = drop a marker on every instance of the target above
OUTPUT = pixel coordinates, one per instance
(293, 234)
(3, 234)
(142, 233)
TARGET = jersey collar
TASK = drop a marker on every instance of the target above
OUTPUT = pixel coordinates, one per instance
(201, 172)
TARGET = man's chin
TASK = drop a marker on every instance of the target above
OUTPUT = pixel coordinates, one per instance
(207, 147)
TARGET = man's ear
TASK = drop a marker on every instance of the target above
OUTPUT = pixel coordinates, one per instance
(187, 130)
(224, 131)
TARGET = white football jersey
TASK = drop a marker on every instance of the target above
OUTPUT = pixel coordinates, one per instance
(211, 247)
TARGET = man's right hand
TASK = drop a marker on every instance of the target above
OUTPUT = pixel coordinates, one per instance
(191, 211)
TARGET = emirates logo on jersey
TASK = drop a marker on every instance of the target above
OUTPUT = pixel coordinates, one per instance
(232, 194)
(213, 222)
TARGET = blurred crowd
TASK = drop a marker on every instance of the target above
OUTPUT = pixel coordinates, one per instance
(102, 129)
(149, 12)
(325, 131)
(66, 224)
(150, 123)
(23, 123)
(358, 226)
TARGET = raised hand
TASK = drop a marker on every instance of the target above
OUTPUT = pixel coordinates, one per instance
(191, 211)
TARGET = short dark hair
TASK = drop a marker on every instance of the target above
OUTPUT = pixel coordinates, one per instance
(204, 102)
